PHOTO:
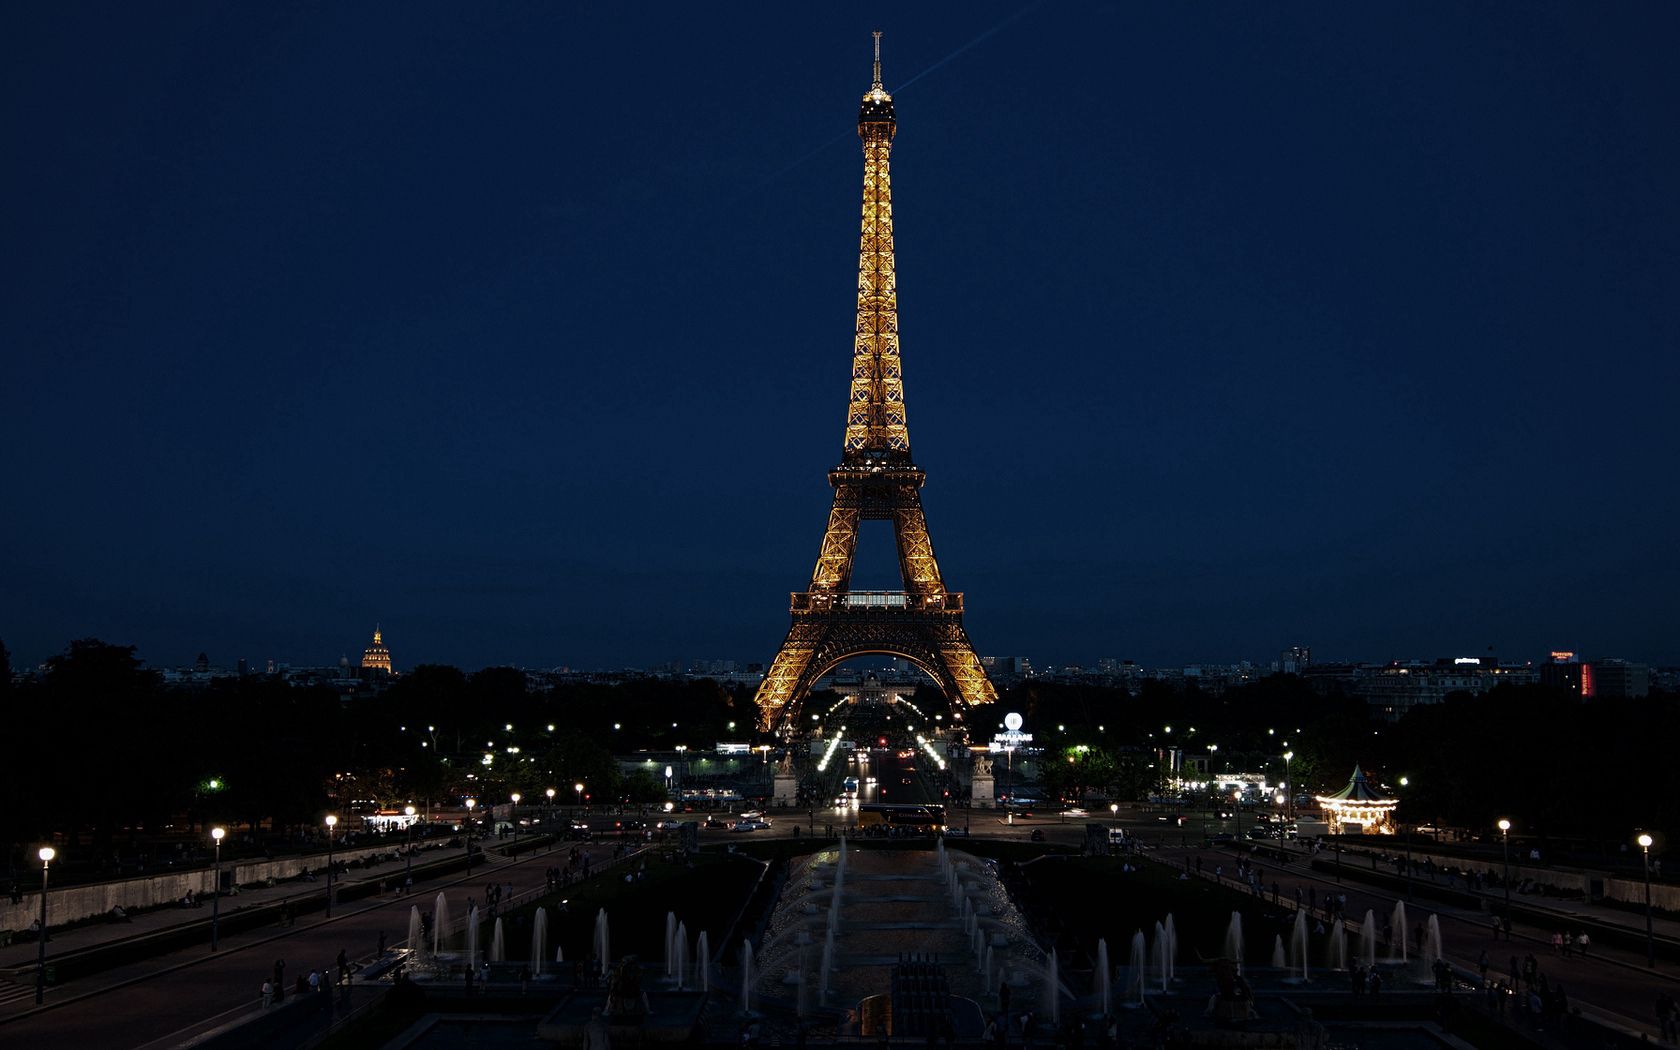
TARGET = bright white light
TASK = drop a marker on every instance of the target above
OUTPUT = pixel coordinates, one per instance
(1012, 722)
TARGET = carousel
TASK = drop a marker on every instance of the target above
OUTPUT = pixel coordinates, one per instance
(1358, 809)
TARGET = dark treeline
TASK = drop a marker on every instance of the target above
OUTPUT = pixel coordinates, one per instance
(1555, 765)
(102, 749)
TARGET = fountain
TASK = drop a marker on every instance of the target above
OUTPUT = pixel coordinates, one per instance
(539, 940)
(827, 968)
(603, 943)
(1172, 948)
(670, 943)
(472, 936)
(1162, 967)
(1398, 920)
(1298, 945)
(703, 962)
(559, 953)
(1234, 940)
(1135, 971)
(681, 954)
(1278, 960)
(1368, 940)
(986, 969)
(1102, 974)
(440, 922)
(1052, 996)
(746, 976)
(416, 943)
(498, 949)
(1431, 950)
(1336, 951)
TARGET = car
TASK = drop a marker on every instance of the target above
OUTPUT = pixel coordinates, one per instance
(714, 822)
(1075, 812)
(579, 825)
(904, 780)
(670, 825)
(752, 814)
(747, 825)
(957, 832)
(1223, 836)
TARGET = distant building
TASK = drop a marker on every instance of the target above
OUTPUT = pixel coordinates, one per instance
(1563, 670)
(1614, 680)
(376, 657)
(1294, 660)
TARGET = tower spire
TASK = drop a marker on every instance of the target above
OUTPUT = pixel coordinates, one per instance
(877, 85)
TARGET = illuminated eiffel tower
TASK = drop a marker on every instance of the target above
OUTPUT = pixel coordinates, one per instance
(876, 480)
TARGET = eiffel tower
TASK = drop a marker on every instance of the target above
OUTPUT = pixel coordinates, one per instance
(876, 480)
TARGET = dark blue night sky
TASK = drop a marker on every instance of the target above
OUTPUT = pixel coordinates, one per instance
(525, 329)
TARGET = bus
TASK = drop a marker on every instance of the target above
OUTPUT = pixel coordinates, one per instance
(912, 817)
(850, 787)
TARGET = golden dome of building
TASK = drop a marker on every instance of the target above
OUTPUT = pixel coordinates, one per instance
(376, 657)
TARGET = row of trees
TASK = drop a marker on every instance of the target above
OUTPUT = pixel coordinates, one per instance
(101, 745)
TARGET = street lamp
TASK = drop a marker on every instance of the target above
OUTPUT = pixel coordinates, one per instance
(515, 814)
(1290, 796)
(667, 781)
(1644, 841)
(408, 858)
(216, 894)
(1406, 832)
(1505, 842)
(548, 818)
(578, 787)
(332, 822)
(46, 853)
(471, 802)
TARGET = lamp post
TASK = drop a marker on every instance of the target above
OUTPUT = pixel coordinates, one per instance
(515, 815)
(1650, 938)
(1408, 837)
(1505, 844)
(46, 853)
(216, 893)
(548, 818)
(578, 787)
(667, 781)
(1289, 797)
(408, 854)
(471, 802)
(332, 822)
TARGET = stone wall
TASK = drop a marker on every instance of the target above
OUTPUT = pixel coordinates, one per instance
(73, 903)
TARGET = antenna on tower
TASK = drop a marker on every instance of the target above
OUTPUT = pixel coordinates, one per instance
(877, 58)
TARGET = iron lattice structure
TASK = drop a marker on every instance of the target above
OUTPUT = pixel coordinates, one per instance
(876, 480)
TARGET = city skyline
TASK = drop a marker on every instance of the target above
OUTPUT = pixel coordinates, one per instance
(1209, 356)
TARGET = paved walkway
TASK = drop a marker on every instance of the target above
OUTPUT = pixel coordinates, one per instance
(1611, 983)
(177, 994)
(22, 953)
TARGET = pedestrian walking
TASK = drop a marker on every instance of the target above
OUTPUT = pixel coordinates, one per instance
(1581, 943)
(267, 993)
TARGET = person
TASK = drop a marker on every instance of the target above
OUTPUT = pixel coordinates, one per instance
(343, 966)
(1374, 983)
(279, 979)
(314, 980)
(1557, 943)
(267, 993)
(1581, 943)
(596, 1035)
(1482, 965)
(1495, 925)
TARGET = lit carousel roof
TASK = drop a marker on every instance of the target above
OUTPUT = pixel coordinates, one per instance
(1360, 805)
(1358, 790)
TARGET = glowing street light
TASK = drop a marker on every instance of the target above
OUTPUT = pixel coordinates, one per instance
(408, 853)
(216, 892)
(1644, 841)
(514, 813)
(332, 822)
(46, 853)
(1505, 843)
(471, 802)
